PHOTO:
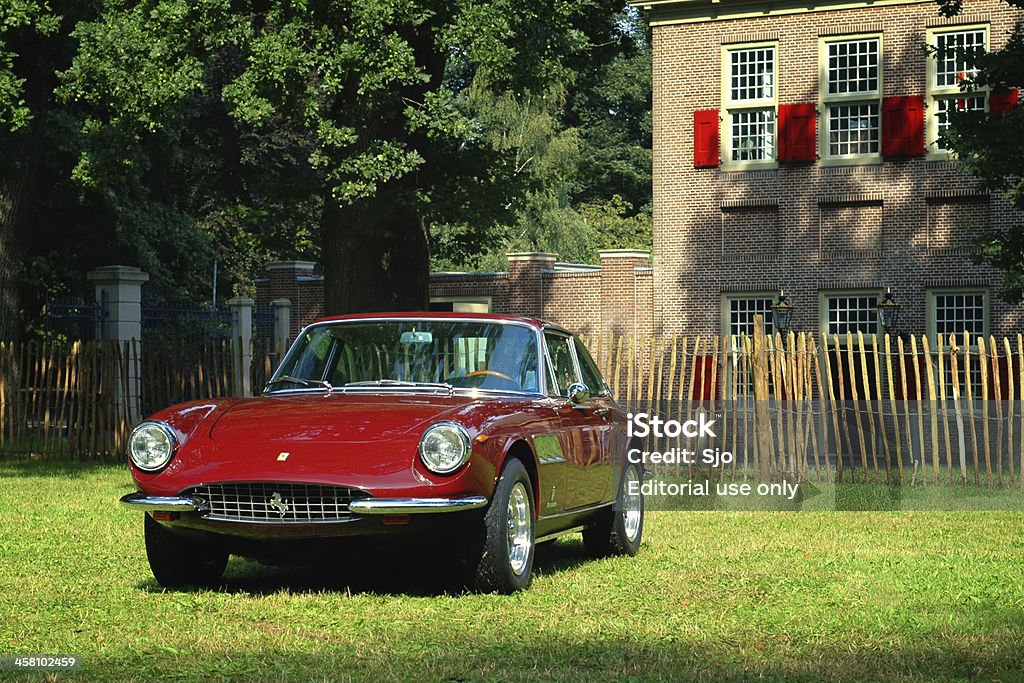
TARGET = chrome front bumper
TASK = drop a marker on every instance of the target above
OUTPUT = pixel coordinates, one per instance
(414, 506)
(143, 501)
(365, 506)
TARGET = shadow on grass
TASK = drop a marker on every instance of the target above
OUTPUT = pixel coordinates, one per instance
(421, 571)
(12, 466)
(492, 657)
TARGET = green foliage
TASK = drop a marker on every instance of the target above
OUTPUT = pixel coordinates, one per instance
(178, 132)
(20, 20)
(447, 108)
(581, 153)
(991, 147)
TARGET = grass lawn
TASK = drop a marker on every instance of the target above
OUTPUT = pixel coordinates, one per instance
(758, 596)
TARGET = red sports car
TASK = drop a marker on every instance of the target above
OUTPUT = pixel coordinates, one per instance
(495, 432)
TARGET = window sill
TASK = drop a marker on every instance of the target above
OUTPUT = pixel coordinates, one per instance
(941, 156)
(873, 160)
(739, 166)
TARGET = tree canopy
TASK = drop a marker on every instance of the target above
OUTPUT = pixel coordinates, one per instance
(991, 147)
(364, 134)
(373, 114)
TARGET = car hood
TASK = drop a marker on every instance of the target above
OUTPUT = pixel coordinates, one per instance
(335, 418)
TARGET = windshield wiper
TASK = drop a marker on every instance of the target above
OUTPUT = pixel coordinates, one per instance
(301, 380)
(398, 383)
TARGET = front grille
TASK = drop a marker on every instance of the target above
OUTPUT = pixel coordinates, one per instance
(276, 502)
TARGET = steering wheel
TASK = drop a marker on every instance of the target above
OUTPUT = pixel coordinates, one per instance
(491, 373)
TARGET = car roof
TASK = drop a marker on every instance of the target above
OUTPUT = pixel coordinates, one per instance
(443, 315)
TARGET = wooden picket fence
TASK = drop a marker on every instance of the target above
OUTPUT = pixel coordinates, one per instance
(851, 408)
(74, 399)
(844, 408)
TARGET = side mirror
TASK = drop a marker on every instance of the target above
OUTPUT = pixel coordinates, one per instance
(578, 393)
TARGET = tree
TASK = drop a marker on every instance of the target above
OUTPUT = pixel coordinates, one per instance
(31, 41)
(582, 153)
(371, 99)
(55, 226)
(991, 147)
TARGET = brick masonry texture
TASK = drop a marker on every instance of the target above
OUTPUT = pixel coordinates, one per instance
(616, 298)
(899, 223)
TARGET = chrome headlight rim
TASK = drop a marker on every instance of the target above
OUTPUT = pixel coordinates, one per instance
(171, 438)
(463, 437)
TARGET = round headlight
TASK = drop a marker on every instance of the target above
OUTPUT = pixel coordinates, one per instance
(444, 447)
(151, 446)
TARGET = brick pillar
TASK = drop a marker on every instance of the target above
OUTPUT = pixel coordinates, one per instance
(618, 289)
(119, 291)
(241, 345)
(285, 280)
(526, 291)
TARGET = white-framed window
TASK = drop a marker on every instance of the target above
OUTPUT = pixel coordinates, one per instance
(957, 51)
(739, 311)
(957, 311)
(851, 94)
(953, 312)
(850, 311)
(954, 53)
(945, 104)
(750, 96)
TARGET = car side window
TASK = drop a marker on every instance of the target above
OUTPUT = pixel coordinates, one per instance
(588, 369)
(312, 363)
(561, 363)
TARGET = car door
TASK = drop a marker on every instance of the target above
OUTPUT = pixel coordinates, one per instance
(583, 426)
(612, 436)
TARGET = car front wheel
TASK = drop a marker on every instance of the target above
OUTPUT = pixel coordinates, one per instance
(506, 559)
(177, 561)
(618, 530)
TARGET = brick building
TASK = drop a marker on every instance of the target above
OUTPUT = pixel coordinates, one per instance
(796, 147)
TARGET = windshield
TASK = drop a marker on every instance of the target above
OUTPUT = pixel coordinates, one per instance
(412, 353)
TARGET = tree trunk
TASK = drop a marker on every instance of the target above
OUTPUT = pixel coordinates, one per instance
(375, 255)
(10, 260)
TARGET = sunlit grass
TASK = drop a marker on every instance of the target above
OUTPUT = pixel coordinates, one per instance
(823, 596)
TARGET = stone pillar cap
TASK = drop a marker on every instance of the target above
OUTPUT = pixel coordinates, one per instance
(117, 274)
(281, 302)
(240, 301)
(291, 265)
(624, 253)
(531, 256)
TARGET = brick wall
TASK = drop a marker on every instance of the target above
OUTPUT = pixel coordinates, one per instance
(589, 300)
(811, 227)
(300, 283)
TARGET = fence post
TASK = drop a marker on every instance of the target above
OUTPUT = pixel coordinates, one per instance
(119, 291)
(241, 345)
(282, 327)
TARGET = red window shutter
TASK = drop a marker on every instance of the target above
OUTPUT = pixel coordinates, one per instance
(705, 138)
(1002, 102)
(797, 132)
(903, 126)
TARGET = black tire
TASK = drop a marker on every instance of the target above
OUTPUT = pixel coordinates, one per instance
(496, 569)
(177, 561)
(609, 534)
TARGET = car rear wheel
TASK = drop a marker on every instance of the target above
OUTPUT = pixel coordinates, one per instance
(506, 559)
(618, 531)
(177, 561)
